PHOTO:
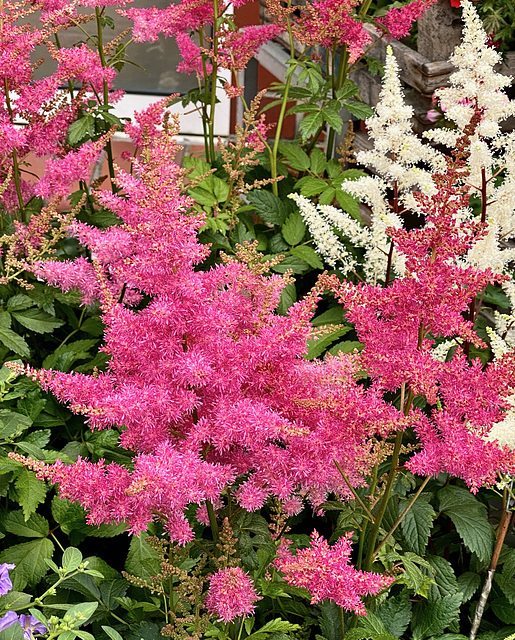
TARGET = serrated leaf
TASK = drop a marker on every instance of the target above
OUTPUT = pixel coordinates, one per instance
(469, 517)
(80, 129)
(468, 584)
(297, 158)
(142, 561)
(293, 264)
(29, 558)
(288, 297)
(268, 206)
(348, 203)
(144, 631)
(334, 315)
(310, 125)
(10, 339)
(445, 580)
(19, 302)
(310, 186)
(317, 347)
(417, 523)
(327, 196)
(12, 423)
(330, 621)
(348, 90)
(395, 614)
(333, 119)
(359, 110)
(432, 618)
(347, 346)
(309, 255)
(504, 610)
(294, 228)
(37, 320)
(317, 161)
(35, 527)
(31, 491)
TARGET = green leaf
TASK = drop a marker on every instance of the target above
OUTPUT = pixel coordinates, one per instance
(445, 580)
(112, 633)
(19, 302)
(347, 346)
(317, 347)
(334, 315)
(35, 527)
(349, 204)
(67, 513)
(311, 186)
(268, 206)
(318, 161)
(14, 632)
(37, 320)
(297, 158)
(395, 614)
(14, 600)
(327, 196)
(142, 561)
(143, 631)
(296, 265)
(503, 609)
(330, 620)
(72, 558)
(80, 129)
(470, 519)
(433, 618)
(494, 295)
(333, 119)
(12, 423)
(359, 110)
(288, 297)
(413, 576)
(468, 584)
(29, 558)
(79, 614)
(417, 523)
(294, 228)
(31, 491)
(348, 90)
(10, 339)
(310, 125)
(309, 255)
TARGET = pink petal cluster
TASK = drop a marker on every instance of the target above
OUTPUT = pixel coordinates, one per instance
(329, 23)
(231, 594)
(399, 20)
(326, 572)
(238, 47)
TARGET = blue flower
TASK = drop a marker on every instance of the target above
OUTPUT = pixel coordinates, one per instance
(8, 620)
(5, 582)
(30, 626)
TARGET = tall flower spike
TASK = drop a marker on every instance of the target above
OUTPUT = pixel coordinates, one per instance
(395, 159)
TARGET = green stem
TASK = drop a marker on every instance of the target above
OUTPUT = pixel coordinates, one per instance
(213, 524)
(100, 47)
(354, 493)
(342, 76)
(282, 113)
(402, 516)
(16, 166)
(213, 77)
(206, 95)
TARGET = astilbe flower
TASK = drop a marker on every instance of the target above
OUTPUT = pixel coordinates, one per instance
(326, 572)
(236, 48)
(399, 20)
(231, 594)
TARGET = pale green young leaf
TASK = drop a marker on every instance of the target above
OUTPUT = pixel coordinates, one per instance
(14, 632)
(79, 614)
(72, 558)
(112, 633)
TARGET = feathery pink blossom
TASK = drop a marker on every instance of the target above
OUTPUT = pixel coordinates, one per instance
(325, 571)
(231, 594)
(399, 20)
